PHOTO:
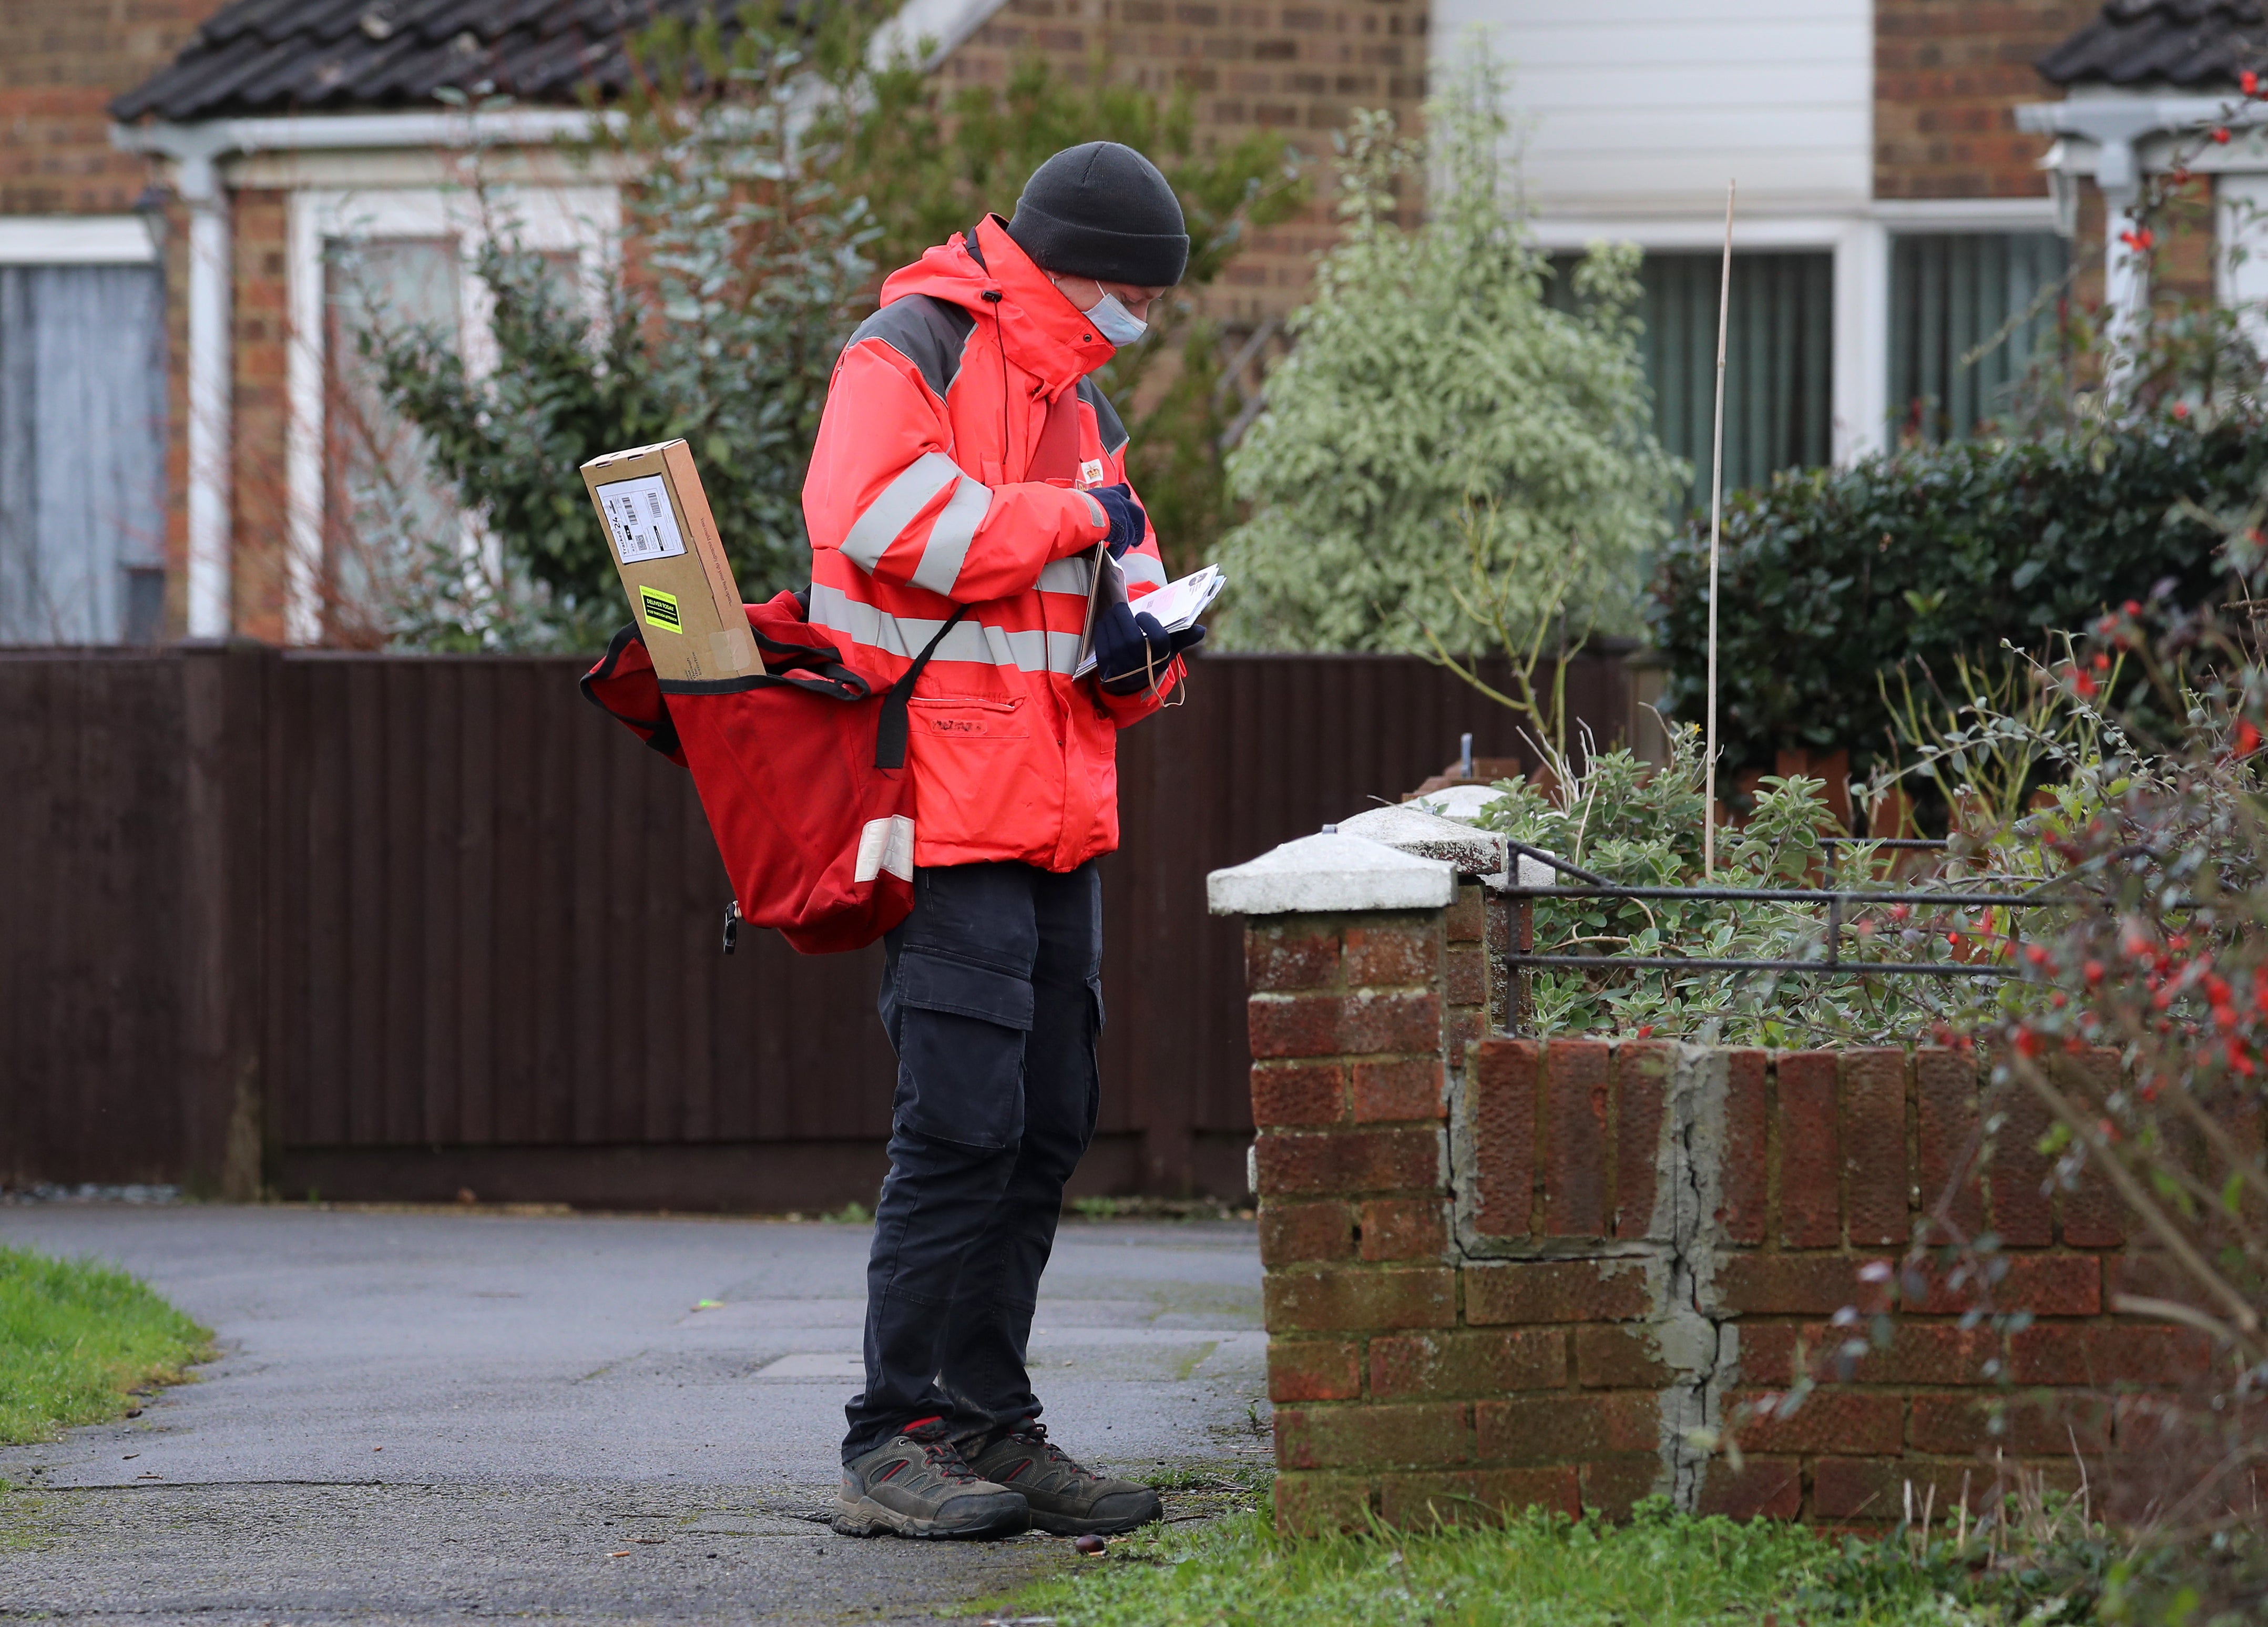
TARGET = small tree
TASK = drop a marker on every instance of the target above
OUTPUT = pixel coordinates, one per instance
(1446, 463)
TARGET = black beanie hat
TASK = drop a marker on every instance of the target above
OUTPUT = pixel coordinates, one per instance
(1102, 210)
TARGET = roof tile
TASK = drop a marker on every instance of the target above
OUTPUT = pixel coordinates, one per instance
(272, 56)
(2192, 43)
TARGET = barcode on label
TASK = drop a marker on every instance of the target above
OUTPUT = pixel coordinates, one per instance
(638, 516)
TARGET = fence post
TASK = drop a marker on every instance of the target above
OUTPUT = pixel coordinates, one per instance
(225, 692)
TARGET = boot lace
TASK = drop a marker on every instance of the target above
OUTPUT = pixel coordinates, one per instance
(1036, 1433)
(943, 1457)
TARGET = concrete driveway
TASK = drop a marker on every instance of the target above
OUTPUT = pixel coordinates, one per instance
(437, 1417)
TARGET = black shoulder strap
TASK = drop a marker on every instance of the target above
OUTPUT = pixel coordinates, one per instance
(890, 733)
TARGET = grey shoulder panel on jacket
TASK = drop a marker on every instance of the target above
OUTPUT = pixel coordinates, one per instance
(926, 331)
(1106, 416)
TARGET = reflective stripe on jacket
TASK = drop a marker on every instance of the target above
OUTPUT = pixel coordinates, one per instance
(920, 497)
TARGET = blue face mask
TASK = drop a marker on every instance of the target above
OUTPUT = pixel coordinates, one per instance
(1114, 322)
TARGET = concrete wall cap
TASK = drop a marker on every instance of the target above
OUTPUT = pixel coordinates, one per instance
(1328, 874)
(1463, 803)
(1411, 828)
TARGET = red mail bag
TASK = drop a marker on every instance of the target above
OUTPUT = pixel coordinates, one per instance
(801, 770)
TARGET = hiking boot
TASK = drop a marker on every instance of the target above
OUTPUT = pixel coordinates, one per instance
(1066, 1499)
(917, 1484)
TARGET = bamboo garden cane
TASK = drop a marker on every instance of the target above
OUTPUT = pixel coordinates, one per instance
(1716, 523)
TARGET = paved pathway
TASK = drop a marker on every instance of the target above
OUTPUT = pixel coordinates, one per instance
(435, 1417)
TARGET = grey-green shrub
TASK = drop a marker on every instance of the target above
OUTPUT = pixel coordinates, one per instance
(1429, 376)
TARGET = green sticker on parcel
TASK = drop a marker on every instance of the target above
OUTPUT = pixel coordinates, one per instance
(661, 609)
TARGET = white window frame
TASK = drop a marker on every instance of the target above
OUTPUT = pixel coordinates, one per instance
(1861, 246)
(76, 241)
(583, 219)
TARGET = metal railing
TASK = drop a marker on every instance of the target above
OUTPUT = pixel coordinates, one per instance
(1835, 900)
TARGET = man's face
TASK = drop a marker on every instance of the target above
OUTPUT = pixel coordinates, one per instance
(1085, 293)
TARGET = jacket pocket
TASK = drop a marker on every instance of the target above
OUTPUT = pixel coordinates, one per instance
(969, 717)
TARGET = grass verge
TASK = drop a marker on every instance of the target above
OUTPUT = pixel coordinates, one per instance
(76, 1336)
(1538, 1570)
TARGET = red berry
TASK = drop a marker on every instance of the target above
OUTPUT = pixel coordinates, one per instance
(2221, 136)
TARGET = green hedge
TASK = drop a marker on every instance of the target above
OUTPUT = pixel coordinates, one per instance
(1831, 577)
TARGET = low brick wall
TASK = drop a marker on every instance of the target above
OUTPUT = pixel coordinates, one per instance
(1503, 1272)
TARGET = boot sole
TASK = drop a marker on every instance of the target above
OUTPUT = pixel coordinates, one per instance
(865, 1517)
(1069, 1525)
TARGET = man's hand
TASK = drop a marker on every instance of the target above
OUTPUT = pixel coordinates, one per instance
(1129, 525)
(1132, 649)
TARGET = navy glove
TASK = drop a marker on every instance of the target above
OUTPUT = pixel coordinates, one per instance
(1129, 525)
(1132, 649)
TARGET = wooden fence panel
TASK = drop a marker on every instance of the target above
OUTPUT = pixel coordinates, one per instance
(453, 927)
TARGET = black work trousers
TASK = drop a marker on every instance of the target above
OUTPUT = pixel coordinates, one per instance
(992, 995)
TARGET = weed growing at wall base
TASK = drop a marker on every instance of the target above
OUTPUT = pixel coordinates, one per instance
(76, 1336)
(1542, 1568)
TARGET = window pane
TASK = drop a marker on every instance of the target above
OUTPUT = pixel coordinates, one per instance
(1951, 295)
(82, 449)
(1778, 366)
(383, 508)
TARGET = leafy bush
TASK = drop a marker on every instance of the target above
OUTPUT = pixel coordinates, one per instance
(1429, 379)
(1640, 826)
(2154, 836)
(2163, 834)
(1832, 579)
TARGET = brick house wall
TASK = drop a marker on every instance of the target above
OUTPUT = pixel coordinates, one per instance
(1948, 77)
(60, 62)
(1300, 68)
(259, 495)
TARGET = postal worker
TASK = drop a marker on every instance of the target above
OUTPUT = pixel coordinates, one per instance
(965, 459)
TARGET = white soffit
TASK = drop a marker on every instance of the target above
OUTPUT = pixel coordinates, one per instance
(1649, 106)
(75, 241)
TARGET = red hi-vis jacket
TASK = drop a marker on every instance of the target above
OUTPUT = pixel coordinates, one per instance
(922, 496)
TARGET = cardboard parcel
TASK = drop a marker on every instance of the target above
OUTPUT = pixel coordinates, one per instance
(673, 563)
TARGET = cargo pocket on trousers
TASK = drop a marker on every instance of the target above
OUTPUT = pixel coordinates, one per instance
(961, 1050)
